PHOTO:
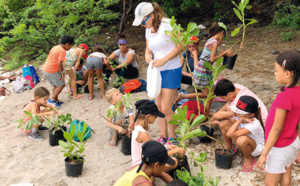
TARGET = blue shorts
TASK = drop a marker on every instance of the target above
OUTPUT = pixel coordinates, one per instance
(171, 79)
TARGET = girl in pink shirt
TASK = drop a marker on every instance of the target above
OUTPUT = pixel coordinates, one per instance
(281, 136)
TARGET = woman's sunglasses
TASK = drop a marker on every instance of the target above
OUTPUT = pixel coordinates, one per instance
(144, 22)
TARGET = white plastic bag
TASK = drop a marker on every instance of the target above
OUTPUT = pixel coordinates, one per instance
(153, 81)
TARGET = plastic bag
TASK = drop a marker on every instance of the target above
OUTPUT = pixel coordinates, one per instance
(153, 81)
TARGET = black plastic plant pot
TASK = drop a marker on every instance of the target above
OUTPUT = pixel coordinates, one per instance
(209, 131)
(223, 159)
(229, 61)
(58, 135)
(182, 163)
(74, 169)
(126, 145)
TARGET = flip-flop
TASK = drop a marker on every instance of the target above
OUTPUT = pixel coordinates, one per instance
(244, 166)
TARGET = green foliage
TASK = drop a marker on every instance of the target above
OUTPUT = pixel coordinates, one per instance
(240, 13)
(287, 36)
(186, 132)
(173, 8)
(58, 122)
(34, 120)
(199, 180)
(217, 5)
(288, 17)
(73, 149)
(218, 15)
(32, 28)
(118, 82)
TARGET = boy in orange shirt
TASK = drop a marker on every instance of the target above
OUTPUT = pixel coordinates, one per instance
(53, 68)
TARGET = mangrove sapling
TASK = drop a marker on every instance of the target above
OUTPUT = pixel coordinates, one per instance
(199, 180)
(56, 124)
(34, 120)
(240, 13)
(74, 151)
(186, 131)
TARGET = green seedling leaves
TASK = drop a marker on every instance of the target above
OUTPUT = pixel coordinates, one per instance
(238, 14)
(236, 31)
(252, 21)
(199, 119)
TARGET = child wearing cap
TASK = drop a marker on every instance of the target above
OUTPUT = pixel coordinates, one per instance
(124, 116)
(126, 56)
(154, 158)
(247, 131)
(202, 75)
(73, 57)
(147, 112)
(53, 69)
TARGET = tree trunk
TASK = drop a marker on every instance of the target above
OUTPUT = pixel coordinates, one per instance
(126, 12)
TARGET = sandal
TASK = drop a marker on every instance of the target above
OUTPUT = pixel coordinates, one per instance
(252, 164)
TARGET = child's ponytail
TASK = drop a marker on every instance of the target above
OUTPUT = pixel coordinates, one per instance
(258, 116)
(214, 29)
(290, 60)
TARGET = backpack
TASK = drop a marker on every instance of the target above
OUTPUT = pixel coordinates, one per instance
(193, 108)
(79, 125)
(30, 71)
(132, 86)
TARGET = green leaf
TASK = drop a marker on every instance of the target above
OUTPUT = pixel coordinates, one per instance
(249, 7)
(63, 144)
(198, 119)
(238, 14)
(68, 136)
(235, 4)
(209, 66)
(236, 31)
(174, 122)
(252, 21)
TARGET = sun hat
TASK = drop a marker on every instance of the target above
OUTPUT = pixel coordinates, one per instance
(145, 106)
(122, 42)
(225, 28)
(245, 105)
(141, 11)
(86, 49)
(153, 151)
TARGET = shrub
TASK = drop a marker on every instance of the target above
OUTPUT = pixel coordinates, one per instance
(288, 16)
(287, 36)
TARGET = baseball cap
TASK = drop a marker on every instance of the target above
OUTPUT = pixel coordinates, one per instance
(122, 42)
(245, 105)
(146, 106)
(225, 28)
(86, 49)
(153, 151)
(141, 11)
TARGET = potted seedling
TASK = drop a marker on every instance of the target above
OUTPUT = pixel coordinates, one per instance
(56, 126)
(115, 112)
(73, 154)
(199, 180)
(27, 126)
(186, 131)
(240, 13)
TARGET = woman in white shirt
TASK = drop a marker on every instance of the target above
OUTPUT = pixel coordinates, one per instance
(165, 56)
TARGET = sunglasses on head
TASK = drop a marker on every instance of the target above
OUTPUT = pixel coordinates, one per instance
(144, 22)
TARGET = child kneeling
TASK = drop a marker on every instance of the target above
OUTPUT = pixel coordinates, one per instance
(124, 116)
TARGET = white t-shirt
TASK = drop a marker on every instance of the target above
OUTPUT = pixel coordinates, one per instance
(98, 54)
(160, 44)
(136, 147)
(256, 131)
(244, 91)
(125, 114)
(121, 58)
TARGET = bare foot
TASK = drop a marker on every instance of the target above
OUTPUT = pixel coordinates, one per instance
(178, 98)
(91, 97)
(103, 97)
(77, 96)
(113, 142)
(248, 164)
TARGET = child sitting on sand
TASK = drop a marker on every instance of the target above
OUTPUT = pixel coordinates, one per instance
(147, 112)
(247, 131)
(154, 158)
(41, 96)
(124, 116)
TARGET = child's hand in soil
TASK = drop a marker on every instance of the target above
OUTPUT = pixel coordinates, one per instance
(171, 147)
(180, 151)
(121, 130)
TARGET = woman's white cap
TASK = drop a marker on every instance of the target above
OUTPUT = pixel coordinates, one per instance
(141, 11)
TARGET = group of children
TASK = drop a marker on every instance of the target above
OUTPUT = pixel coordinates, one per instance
(244, 121)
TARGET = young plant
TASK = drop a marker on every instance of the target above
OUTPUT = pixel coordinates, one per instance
(199, 180)
(34, 120)
(118, 82)
(187, 132)
(240, 13)
(74, 151)
(58, 122)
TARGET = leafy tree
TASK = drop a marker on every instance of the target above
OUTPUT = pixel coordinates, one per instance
(31, 28)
